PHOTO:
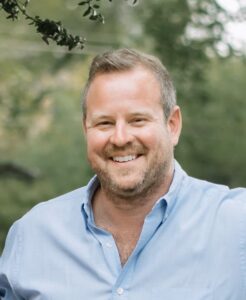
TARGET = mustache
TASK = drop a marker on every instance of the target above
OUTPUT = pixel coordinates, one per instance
(112, 150)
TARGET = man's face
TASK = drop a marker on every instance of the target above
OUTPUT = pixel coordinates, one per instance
(129, 143)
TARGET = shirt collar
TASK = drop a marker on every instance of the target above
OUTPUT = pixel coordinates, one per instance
(91, 187)
(171, 196)
(168, 199)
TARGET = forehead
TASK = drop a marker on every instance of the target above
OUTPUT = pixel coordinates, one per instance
(138, 77)
(126, 90)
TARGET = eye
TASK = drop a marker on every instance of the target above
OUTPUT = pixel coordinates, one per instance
(138, 121)
(104, 124)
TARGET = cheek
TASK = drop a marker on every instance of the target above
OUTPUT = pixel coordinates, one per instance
(153, 139)
(96, 142)
(160, 146)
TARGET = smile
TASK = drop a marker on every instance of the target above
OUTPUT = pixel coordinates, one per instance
(124, 158)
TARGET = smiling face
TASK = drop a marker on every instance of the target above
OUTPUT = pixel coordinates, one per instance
(129, 142)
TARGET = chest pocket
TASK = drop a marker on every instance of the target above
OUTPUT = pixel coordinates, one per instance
(181, 294)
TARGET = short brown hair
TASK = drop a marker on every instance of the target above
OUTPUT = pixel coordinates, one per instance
(127, 59)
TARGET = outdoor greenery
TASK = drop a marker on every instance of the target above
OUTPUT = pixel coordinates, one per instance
(50, 29)
(42, 150)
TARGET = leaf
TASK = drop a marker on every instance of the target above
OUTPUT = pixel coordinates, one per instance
(26, 3)
(45, 39)
(82, 2)
(87, 12)
(93, 18)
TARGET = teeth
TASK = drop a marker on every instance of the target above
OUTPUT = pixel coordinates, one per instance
(124, 158)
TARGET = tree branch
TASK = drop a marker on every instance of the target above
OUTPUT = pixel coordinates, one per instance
(54, 30)
(10, 169)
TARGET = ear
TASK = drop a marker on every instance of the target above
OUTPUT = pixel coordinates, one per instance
(174, 124)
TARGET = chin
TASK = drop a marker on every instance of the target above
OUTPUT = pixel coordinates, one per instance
(126, 188)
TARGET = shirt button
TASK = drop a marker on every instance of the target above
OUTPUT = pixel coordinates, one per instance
(109, 245)
(120, 291)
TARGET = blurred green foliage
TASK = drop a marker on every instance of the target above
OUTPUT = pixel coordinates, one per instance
(40, 89)
(210, 85)
(41, 132)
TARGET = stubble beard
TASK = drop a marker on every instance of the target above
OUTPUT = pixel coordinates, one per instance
(150, 180)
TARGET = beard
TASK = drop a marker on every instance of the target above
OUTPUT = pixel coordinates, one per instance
(134, 184)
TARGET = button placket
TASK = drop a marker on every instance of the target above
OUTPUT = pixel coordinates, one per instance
(109, 245)
(120, 291)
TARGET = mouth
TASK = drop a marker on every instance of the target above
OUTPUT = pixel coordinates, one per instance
(125, 158)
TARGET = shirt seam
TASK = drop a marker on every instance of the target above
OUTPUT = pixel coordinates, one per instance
(16, 268)
(179, 189)
(243, 247)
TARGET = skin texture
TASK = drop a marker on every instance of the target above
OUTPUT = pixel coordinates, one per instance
(125, 119)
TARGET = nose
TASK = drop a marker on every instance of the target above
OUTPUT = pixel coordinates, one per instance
(121, 135)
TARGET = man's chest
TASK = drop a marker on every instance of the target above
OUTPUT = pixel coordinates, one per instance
(125, 240)
(163, 269)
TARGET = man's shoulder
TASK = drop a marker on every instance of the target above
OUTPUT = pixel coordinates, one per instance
(208, 190)
(213, 193)
(57, 219)
(59, 207)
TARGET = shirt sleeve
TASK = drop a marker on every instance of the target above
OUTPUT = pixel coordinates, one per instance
(243, 242)
(9, 265)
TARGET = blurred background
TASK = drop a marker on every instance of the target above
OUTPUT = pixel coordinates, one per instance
(42, 150)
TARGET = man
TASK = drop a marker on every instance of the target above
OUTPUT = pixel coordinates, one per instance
(142, 229)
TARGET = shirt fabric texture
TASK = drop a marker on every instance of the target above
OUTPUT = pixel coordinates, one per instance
(192, 246)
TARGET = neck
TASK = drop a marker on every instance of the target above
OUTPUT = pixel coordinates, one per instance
(118, 210)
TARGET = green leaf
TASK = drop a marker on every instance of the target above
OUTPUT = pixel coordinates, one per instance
(82, 2)
(93, 18)
(45, 39)
(87, 12)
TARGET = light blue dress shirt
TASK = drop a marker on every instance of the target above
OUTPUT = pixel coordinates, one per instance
(192, 246)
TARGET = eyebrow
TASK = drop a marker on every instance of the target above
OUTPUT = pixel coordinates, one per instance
(99, 116)
(141, 114)
(133, 114)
